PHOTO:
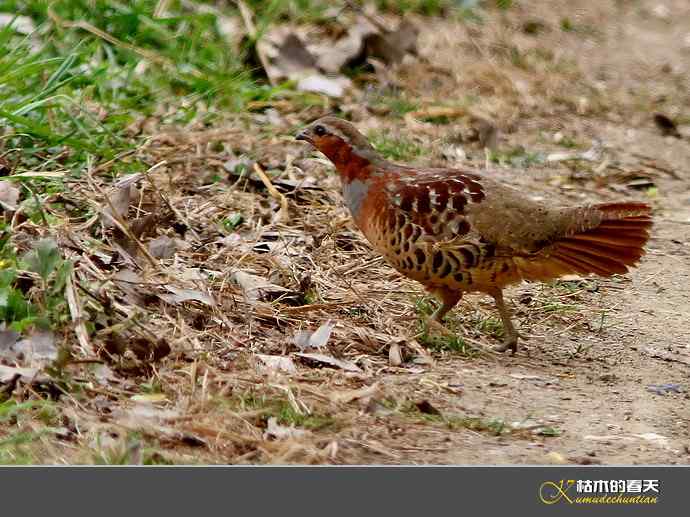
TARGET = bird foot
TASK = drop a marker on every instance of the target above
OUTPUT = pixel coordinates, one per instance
(510, 343)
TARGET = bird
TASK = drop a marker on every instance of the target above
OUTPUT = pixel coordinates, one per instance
(458, 231)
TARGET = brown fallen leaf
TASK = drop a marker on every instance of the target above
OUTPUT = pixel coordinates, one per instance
(186, 295)
(5, 168)
(256, 288)
(392, 46)
(163, 247)
(118, 203)
(144, 226)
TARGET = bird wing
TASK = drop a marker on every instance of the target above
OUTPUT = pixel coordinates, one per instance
(435, 202)
(429, 211)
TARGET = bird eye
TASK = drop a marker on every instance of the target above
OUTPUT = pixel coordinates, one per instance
(319, 130)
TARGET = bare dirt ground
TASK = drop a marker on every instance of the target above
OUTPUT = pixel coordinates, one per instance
(593, 383)
(603, 376)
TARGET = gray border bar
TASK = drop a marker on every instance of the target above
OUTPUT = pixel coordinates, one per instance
(398, 491)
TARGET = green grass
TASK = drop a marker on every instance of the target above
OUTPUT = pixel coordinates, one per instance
(517, 157)
(17, 442)
(32, 286)
(439, 342)
(395, 148)
(69, 96)
(71, 90)
(280, 408)
(493, 426)
(490, 325)
(426, 7)
(395, 105)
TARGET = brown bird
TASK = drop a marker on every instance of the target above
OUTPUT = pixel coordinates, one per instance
(457, 231)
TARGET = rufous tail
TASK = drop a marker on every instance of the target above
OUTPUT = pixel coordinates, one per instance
(613, 246)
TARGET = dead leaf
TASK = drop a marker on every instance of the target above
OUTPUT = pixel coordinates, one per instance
(278, 363)
(163, 247)
(7, 340)
(124, 193)
(5, 168)
(281, 432)
(328, 360)
(119, 200)
(127, 281)
(364, 394)
(186, 295)
(392, 46)
(305, 339)
(331, 58)
(317, 83)
(9, 195)
(286, 56)
(27, 374)
(38, 349)
(395, 355)
(144, 226)
(256, 288)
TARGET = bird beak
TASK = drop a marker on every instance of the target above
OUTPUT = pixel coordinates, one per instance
(303, 136)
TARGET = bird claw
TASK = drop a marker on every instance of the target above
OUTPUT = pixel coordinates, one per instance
(509, 344)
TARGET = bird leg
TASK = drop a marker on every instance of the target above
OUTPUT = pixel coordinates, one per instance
(510, 341)
(448, 300)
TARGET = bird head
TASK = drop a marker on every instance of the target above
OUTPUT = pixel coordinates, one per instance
(340, 142)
